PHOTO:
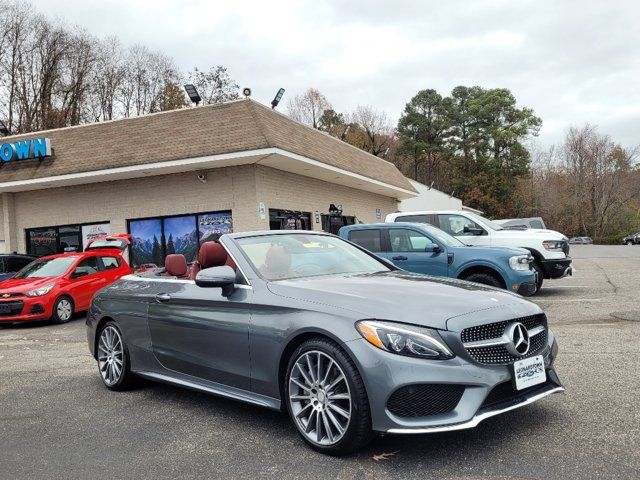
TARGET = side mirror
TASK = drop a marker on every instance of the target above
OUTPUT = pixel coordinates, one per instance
(217, 277)
(78, 274)
(432, 248)
(473, 230)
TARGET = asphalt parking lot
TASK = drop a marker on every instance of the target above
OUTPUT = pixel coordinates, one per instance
(58, 421)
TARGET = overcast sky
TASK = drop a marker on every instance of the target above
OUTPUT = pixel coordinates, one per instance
(571, 61)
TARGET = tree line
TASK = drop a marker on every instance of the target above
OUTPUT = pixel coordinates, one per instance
(53, 75)
(476, 144)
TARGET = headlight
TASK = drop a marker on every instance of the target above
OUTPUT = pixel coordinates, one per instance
(520, 262)
(408, 340)
(552, 244)
(43, 290)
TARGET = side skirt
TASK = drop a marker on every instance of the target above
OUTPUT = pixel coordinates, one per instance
(215, 389)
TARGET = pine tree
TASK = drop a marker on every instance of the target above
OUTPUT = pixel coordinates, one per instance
(171, 248)
(156, 252)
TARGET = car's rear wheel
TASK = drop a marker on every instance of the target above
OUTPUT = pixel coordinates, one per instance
(113, 359)
(326, 398)
(629, 242)
(62, 310)
(485, 278)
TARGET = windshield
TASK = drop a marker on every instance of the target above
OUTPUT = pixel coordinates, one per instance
(52, 267)
(443, 237)
(489, 223)
(278, 257)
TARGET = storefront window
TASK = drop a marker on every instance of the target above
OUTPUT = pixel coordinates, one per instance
(152, 239)
(62, 239)
(289, 220)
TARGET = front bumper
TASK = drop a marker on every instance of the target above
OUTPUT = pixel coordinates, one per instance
(23, 308)
(557, 268)
(384, 373)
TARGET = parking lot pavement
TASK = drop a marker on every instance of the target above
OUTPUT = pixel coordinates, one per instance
(58, 421)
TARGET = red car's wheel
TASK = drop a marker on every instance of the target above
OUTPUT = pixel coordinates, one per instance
(62, 310)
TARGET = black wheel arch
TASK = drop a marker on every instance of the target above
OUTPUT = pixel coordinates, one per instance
(483, 269)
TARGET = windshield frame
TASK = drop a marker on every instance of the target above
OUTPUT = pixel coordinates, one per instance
(19, 274)
(385, 266)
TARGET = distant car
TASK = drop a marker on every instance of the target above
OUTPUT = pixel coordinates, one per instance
(632, 239)
(422, 248)
(550, 249)
(581, 241)
(11, 263)
(56, 286)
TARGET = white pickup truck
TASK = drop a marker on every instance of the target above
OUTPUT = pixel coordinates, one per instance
(550, 249)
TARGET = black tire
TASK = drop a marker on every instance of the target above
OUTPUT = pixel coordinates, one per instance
(126, 379)
(60, 314)
(629, 242)
(485, 278)
(539, 275)
(358, 431)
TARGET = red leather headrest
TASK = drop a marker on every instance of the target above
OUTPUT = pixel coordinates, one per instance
(212, 254)
(176, 264)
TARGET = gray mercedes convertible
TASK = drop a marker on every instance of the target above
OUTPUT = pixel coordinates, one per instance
(344, 342)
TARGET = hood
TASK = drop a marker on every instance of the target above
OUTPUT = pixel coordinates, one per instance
(534, 232)
(398, 295)
(21, 285)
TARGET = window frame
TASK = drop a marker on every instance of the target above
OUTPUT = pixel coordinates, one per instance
(381, 237)
(57, 237)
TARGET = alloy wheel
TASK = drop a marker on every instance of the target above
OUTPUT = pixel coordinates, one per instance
(64, 310)
(110, 355)
(320, 398)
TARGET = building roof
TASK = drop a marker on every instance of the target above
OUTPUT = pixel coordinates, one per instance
(238, 126)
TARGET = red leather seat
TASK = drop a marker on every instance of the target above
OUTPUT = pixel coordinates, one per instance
(175, 265)
(211, 254)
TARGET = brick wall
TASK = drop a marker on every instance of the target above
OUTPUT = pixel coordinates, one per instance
(239, 189)
(283, 190)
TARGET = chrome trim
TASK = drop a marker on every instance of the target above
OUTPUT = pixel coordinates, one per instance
(136, 278)
(222, 390)
(477, 418)
(503, 340)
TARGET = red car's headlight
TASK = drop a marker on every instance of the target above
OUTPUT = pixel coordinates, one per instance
(43, 290)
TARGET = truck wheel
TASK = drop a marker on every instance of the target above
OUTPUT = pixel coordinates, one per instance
(629, 242)
(539, 276)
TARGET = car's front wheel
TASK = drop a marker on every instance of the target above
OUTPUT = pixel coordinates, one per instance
(326, 398)
(629, 242)
(113, 359)
(62, 310)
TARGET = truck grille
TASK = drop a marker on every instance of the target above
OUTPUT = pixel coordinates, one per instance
(498, 354)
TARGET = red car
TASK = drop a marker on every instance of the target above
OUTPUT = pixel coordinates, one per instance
(56, 286)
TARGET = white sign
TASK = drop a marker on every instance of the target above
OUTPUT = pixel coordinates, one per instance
(89, 232)
(529, 372)
(378, 213)
(262, 211)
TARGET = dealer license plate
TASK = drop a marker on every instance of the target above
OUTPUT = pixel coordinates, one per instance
(529, 372)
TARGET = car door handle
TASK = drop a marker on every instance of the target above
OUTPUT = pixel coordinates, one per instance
(399, 257)
(163, 297)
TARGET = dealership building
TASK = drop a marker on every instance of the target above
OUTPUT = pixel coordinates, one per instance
(175, 179)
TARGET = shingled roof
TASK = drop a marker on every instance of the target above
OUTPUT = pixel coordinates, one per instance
(238, 126)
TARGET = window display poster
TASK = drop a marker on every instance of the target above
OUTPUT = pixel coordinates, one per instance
(181, 237)
(212, 225)
(89, 232)
(146, 242)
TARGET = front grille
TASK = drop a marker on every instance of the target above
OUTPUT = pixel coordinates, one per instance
(506, 393)
(422, 400)
(498, 354)
(9, 309)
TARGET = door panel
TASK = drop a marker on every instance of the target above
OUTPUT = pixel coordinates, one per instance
(197, 331)
(408, 252)
(83, 289)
